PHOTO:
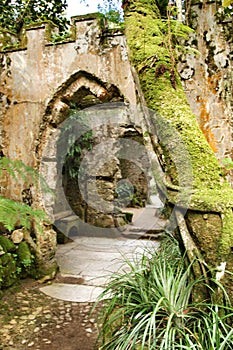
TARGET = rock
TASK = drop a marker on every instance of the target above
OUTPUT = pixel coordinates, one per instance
(100, 219)
(31, 317)
(13, 321)
(89, 330)
(17, 236)
(7, 244)
(24, 255)
(8, 270)
(2, 252)
(47, 278)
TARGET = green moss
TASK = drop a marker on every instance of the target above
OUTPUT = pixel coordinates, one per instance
(26, 260)
(88, 16)
(139, 7)
(190, 163)
(9, 41)
(48, 269)
(8, 269)
(226, 243)
(211, 224)
(7, 244)
(145, 40)
(25, 256)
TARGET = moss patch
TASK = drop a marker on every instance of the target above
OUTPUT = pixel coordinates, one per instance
(25, 256)
(189, 159)
(8, 270)
(146, 40)
(7, 244)
(17, 262)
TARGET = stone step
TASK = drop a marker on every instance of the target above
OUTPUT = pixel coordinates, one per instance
(150, 235)
(87, 264)
(72, 292)
(154, 229)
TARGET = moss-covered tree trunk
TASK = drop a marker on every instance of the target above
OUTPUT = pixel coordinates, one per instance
(206, 229)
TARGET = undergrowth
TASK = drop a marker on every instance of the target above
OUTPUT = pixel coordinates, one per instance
(14, 213)
(151, 307)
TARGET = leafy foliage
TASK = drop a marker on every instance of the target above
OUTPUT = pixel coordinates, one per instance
(18, 169)
(14, 213)
(110, 17)
(72, 148)
(227, 3)
(150, 308)
(111, 8)
(15, 14)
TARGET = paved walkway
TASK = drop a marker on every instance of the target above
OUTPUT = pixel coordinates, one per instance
(90, 261)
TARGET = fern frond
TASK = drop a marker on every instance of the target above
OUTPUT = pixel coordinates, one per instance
(14, 213)
(18, 169)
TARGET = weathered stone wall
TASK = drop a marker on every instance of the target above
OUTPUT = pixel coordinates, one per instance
(208, 76)
(34, 75)
(39, 80)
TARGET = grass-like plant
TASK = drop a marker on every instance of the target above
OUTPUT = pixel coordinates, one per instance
(212, 329)
(150, 308)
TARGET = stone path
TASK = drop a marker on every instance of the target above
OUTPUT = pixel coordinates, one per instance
(58, 316)
(29, 319)
(88, 262)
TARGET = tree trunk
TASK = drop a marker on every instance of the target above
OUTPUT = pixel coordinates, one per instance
(190, 165)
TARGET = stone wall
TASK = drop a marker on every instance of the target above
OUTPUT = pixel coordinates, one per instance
(35, 76)
(207, 74)
(40, 81)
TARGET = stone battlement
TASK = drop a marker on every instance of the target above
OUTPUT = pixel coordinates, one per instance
(47, 33)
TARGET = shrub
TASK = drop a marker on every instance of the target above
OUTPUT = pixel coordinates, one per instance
(150, 308)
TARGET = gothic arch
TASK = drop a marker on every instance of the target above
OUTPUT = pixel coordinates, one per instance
(75, 90)
(81, 90)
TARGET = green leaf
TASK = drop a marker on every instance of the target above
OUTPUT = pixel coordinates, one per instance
(227, 3)
(15, 14)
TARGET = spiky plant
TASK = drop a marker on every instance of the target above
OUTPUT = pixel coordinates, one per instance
(150, 308)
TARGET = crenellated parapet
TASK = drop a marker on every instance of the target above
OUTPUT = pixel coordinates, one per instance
(48, 34)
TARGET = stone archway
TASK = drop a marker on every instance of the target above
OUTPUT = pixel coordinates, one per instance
(78, 94)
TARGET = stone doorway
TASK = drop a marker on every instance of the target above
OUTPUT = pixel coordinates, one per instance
(89, 128)
(117, 183)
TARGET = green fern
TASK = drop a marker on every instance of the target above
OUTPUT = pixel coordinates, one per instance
(18, 170)
(14, 213)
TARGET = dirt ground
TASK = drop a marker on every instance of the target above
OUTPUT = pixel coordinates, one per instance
(31, 320)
